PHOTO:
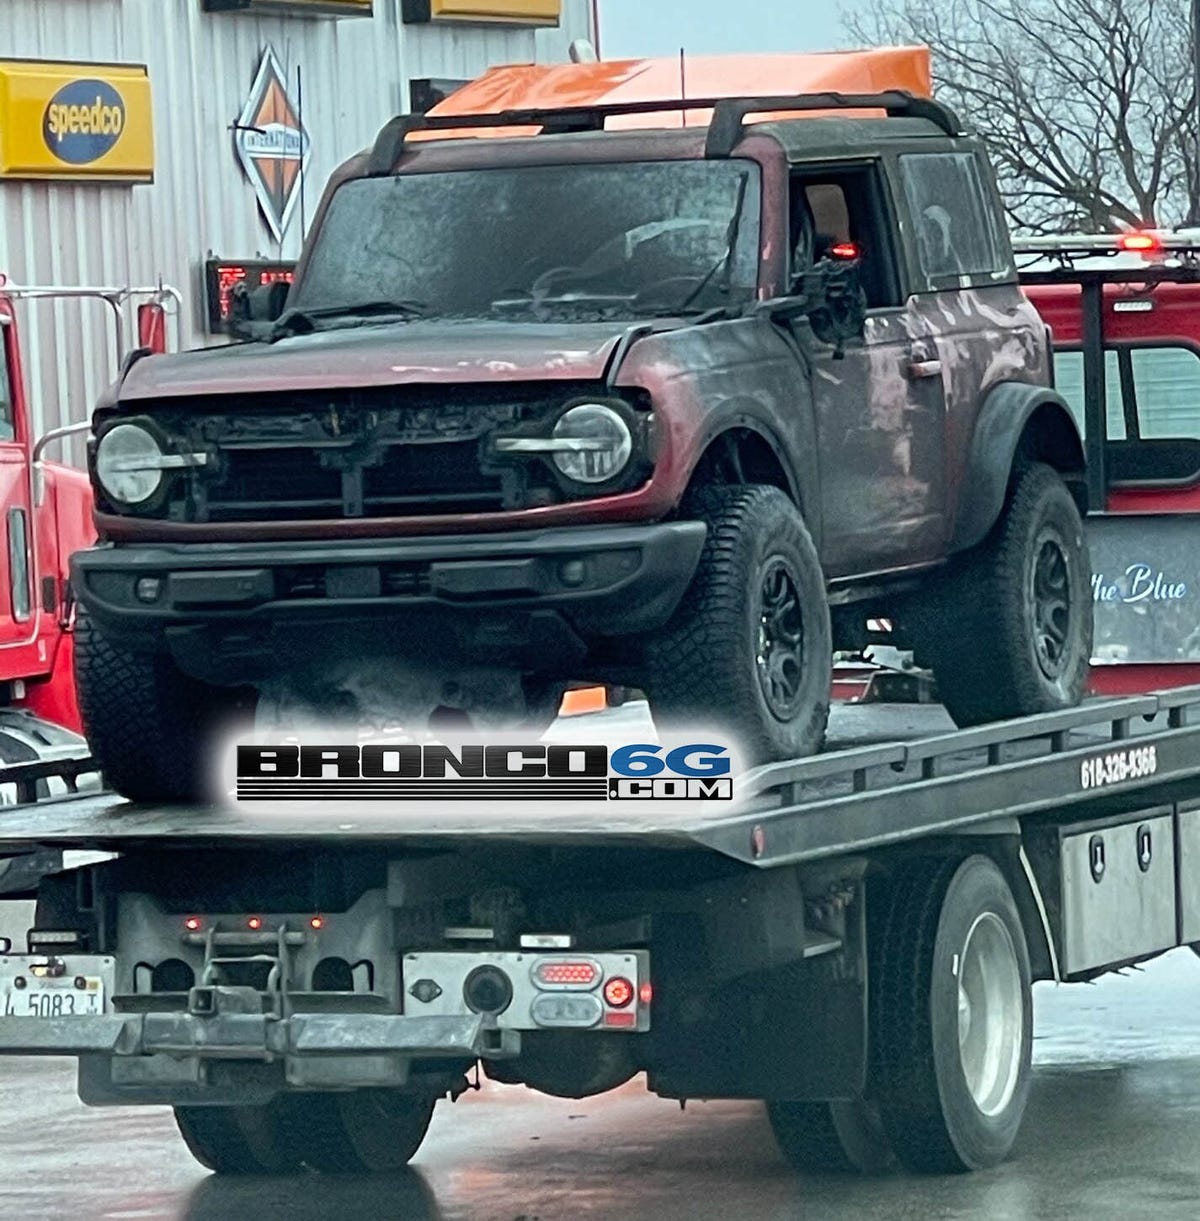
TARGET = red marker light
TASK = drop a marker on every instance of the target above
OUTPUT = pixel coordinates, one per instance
(1139, 243)
(646, 993)
(254, 924)
(316, 922)
(626, 1019)
(574, 974)
(193, 924)
(618, 993)
(846, 251)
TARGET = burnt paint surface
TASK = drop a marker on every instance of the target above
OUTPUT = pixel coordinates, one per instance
(875, 454)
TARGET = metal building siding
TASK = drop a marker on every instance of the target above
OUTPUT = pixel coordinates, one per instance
(355, 76)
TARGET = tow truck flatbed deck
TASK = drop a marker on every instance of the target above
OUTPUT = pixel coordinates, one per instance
(890, 774)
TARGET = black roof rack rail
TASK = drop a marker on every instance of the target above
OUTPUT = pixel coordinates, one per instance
(729, 117)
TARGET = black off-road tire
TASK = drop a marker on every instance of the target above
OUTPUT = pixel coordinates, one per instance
(831, 1137)
(928, 1110)
(239, 1140)
(703, 668)
(151, 728)
(362, 1132)
(981, 635)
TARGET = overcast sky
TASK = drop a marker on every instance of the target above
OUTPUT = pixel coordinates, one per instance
(660, 27)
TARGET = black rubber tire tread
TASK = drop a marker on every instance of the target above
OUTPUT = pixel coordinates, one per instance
(237, 1140)
(807, 1137)
(976, 632)
(337, 1134)
(909, 1079)
(147, 722)
(701, 667)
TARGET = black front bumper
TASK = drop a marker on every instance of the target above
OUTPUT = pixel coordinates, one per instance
(589, 582)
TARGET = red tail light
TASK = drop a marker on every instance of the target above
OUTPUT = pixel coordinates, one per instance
(193, 924)
(575, 973)
(618, 993)
(845, 251)
(316, 923)
(254, 924)
(646, 993)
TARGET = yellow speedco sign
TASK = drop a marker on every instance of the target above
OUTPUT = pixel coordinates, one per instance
(75, 120)
(521, 12)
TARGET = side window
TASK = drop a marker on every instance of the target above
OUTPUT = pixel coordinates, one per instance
(836, 209)
(6, 393)
(1153, 410)
(957, 231)
(1068, 381)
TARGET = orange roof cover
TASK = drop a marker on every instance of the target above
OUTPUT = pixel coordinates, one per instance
(556, 86)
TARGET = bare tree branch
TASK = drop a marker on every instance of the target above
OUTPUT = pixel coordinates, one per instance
(1088, 107)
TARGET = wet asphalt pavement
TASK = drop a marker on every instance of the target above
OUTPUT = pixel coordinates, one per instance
(1113, 1131)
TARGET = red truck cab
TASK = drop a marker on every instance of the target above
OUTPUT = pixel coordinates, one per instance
(46, 507)
(1125, 314)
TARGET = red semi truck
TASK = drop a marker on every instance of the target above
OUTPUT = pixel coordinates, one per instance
(47, 514)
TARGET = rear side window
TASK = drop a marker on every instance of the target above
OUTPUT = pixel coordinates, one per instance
(1153, 410)
(957, 232)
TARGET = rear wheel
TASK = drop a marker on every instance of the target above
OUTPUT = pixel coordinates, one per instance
(951, 1016)
(150, 726)
(831, 1137)
(1009, 633)
(238, 1140)
(749, 651)
(367, 1131)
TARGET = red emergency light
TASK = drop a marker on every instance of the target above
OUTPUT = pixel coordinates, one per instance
(1140, 242)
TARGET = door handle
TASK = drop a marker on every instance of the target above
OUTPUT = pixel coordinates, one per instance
(917, 368)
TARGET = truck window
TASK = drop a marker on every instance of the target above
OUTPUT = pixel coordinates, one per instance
(829, 210)
(6, 394)
(1153, 417)
(957, 231)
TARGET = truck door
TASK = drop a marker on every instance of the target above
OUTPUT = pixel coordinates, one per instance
(880, 405)
(18, 624)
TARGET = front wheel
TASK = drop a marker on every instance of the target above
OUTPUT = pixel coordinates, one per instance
(749, 651)
(951, 1016)
(152, 729)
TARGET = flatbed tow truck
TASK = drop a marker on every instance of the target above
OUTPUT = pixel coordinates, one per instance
(852, 940)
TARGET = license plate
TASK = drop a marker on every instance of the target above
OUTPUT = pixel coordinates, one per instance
(78, 992)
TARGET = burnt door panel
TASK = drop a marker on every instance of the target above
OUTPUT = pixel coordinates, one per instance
(880, 423)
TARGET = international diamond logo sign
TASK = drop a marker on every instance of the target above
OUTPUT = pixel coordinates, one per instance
(272, 144)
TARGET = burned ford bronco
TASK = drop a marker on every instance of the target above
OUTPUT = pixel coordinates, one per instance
(680, 409)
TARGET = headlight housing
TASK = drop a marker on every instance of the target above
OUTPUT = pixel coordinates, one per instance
(129, 464)
(593, 443)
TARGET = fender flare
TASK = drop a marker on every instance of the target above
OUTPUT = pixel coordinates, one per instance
(1002, 424)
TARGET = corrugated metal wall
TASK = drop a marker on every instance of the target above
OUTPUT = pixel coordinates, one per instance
(355, 76)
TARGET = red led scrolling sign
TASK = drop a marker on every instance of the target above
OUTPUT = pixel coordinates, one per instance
(222, 276)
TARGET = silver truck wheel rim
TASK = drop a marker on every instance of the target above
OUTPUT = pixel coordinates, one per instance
(991, 1014)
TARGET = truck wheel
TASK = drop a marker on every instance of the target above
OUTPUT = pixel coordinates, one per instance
(148, 724)
(1016, 630)
(951, 1016)
(238, 1140)
(367, 1131)
(749, 651)
(831, 1137)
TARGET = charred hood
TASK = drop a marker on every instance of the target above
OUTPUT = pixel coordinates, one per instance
(422, 352)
